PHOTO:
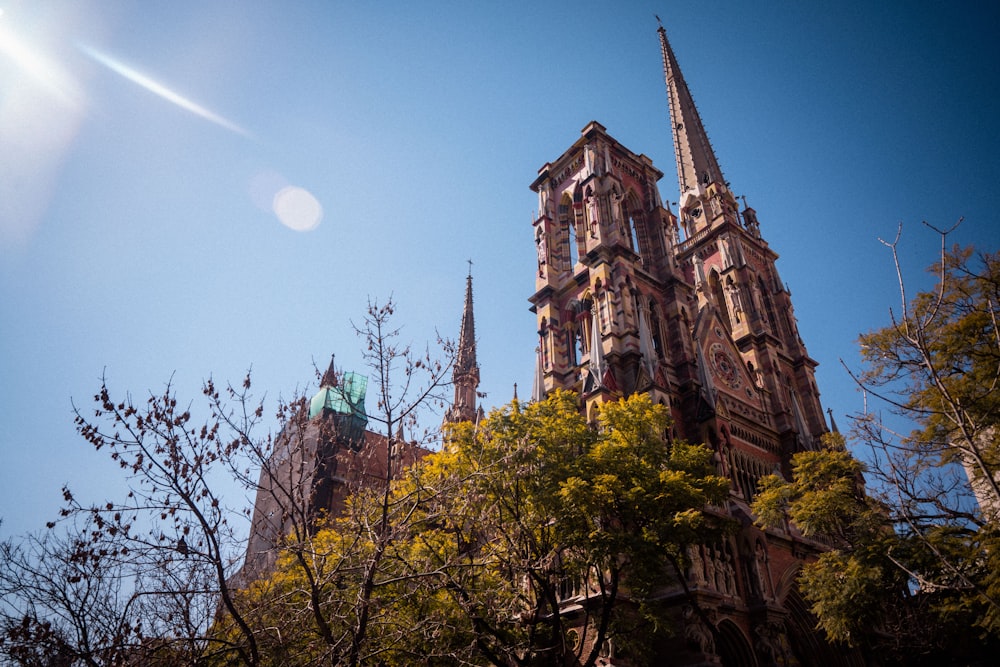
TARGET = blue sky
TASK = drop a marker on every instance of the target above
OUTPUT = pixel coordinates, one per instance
(137, 238)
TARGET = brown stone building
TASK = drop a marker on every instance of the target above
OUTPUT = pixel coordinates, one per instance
(320, 456)
(688, 307)
(326, 450)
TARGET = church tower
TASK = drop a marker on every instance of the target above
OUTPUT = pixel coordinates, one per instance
(465, 375)
(687, 306)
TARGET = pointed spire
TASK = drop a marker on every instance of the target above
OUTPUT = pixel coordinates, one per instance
(465, 374)
(465, 361)
(596, 348)
(805, 440)
(329, 378)
(708, 391)
(833, 424)
(646, 343)
(696, 163)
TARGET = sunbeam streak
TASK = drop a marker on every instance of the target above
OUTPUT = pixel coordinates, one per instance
(159, 89)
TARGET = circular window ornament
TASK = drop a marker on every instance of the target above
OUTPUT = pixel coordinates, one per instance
(724, 367)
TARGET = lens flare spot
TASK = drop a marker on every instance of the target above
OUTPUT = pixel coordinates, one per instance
(297, 209)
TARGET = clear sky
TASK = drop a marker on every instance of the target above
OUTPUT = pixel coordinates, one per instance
(141, 145)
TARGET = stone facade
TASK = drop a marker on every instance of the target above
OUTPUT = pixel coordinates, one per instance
(687, 306)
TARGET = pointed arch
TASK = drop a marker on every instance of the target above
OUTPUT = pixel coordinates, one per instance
(566, 242)
(634, 223)
(808, 644)
(577, 243)
(733, 647)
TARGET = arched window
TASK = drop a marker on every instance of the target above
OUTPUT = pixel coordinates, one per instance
(633, 221)
(543, 335)
(572, 343)
(733, 647)
(576, 226)
(567, 233)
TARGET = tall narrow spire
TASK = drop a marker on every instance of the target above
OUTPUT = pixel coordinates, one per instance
(696, 163)
(465, 375)
(465, 361)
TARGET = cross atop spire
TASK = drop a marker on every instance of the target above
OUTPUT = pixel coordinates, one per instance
(696, 163)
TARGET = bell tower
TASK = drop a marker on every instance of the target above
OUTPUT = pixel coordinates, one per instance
(607, 283)
(689, 307)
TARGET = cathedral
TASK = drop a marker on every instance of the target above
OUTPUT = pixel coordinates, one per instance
(688, 307)
(630, 296)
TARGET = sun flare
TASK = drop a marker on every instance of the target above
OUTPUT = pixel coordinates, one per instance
(159, 89)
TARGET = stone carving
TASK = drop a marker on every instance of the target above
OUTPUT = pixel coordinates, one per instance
(697, 571)
(592, 215)
(763, 572)
(696, 633)
(772, 644)
(542, 247)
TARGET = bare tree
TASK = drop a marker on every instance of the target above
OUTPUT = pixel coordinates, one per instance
(64, 600)
(342, 569)
(937, 367)
(165, 575)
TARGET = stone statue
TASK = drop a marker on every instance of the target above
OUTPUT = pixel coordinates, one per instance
(697, 635)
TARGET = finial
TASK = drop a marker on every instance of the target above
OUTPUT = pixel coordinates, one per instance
(470, 267)
(329, 378)
(833, 424)
(515, 391)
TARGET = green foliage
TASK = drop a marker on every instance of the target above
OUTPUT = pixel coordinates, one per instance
(848, 585)
(497, 534)
(534, 507)
(846, 592)
(913, 568)
(938, 365)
